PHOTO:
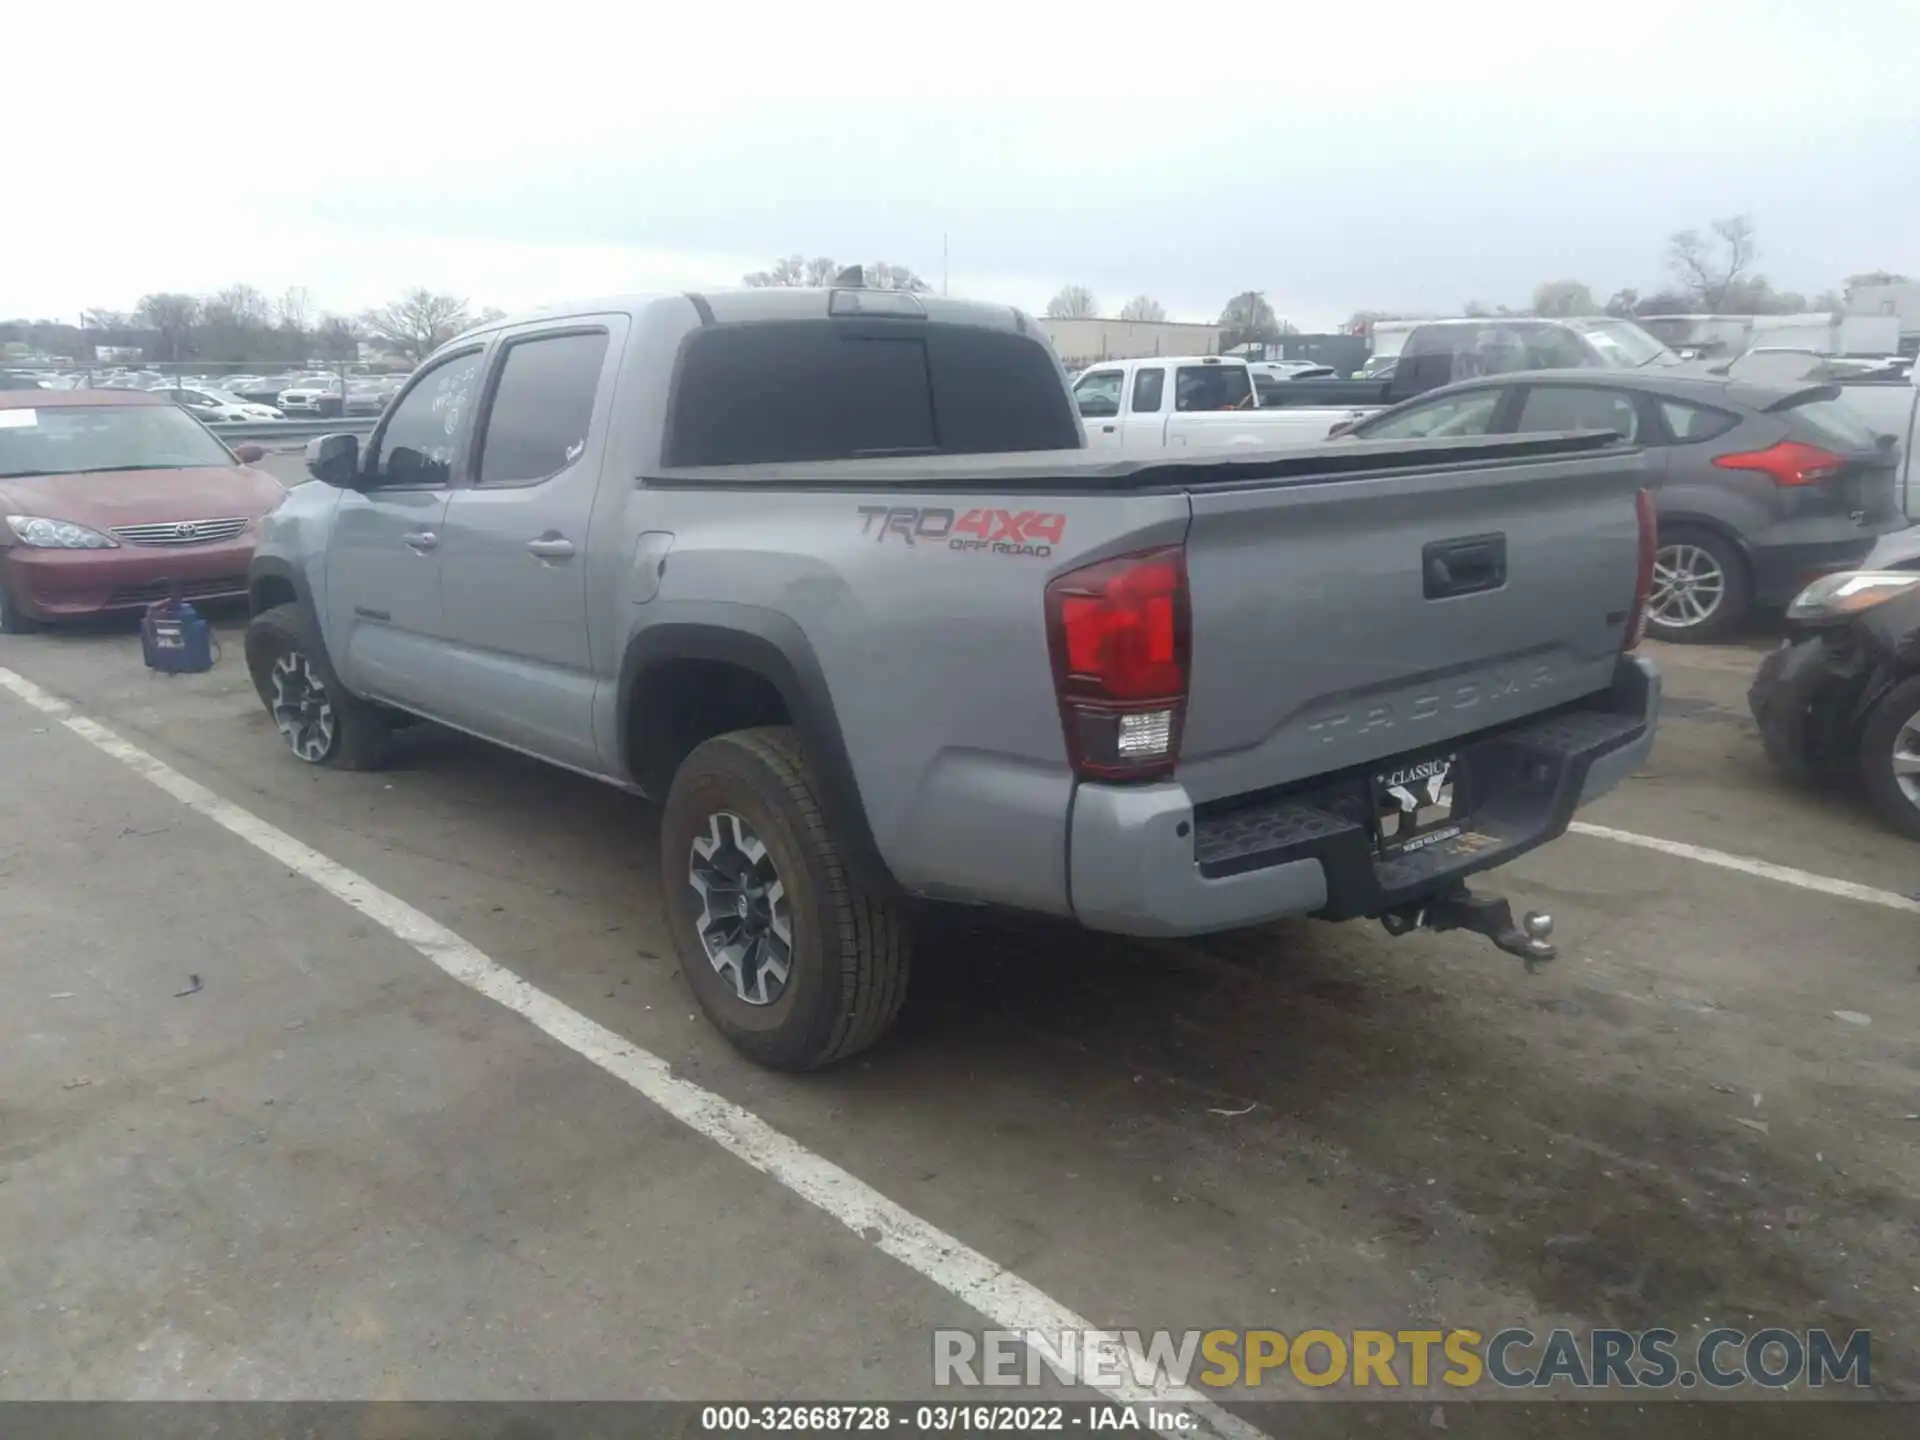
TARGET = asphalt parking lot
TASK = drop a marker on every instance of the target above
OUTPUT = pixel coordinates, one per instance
(253, 1144)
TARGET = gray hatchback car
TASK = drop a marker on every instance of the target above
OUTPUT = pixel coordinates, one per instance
(1759, 488)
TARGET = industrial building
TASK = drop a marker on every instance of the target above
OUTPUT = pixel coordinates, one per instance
(1086, 342)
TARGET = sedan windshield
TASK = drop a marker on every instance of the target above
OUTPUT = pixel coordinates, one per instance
(1624, 343)
(67, 440)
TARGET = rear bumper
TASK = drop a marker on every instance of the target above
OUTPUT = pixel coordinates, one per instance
(1788, 558)
(1145, 861)
(52, 584)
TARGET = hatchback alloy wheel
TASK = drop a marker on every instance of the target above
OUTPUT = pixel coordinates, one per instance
(1689, 586)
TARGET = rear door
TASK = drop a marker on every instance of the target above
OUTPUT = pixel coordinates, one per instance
(383, 550)
(516, 665)
(1144, 426)
(1098, 393)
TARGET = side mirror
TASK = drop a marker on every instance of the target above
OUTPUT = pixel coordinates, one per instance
(249, 453)
(334, 460)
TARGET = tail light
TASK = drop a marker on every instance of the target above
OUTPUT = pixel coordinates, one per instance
(1643, 578)
(1788, 463)
(1120, 635)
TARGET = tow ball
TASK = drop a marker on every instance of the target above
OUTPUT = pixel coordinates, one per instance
(1487, 915)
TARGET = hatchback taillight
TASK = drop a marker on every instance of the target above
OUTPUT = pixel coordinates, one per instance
(1788, 463)
(1120, 635)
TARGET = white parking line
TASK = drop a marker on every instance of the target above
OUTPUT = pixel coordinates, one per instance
(1748, 865)
(1007, 1301)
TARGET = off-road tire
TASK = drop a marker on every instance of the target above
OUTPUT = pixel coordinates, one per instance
(1895, 710)
(362, 733)
(849, 955)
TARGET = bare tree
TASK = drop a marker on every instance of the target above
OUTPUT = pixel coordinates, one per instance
(1247, 316)
(823, 270)
(792, 270)
(418, 323)
(338, 338)
(1074, 302)
(1624, 303)
(1708, 266)
(1143, 307)
(106, 320)
(173, 315)
(295, 308)
(1563, 297)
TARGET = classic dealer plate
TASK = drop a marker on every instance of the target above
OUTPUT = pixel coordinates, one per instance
(1415, 804)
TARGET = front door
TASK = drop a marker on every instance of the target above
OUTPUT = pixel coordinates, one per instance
(514, 563)
(1097, 393)
(383, 608)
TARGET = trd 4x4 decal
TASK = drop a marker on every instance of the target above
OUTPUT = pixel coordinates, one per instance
(997, 532)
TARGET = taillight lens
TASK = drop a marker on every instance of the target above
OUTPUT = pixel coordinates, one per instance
(1788, 463)
(1643, 578)
(1120, 636)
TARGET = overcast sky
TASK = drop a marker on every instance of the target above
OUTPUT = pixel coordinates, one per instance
(1387, 155)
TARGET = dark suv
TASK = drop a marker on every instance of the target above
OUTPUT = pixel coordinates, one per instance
(1759, 488)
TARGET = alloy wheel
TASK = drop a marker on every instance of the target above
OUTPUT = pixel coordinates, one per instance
(301, 710)
(1689, 586)
(1906, 759)
(743, 917)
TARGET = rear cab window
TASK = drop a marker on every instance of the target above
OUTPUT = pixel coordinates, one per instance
(1212, 387)
(542, 406)
(797, 391)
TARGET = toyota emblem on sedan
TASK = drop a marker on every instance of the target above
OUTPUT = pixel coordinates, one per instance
(186, 530)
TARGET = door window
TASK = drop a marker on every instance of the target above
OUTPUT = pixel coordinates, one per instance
(1467, 414)
(537, 422)
(1690, 424)
(1098, 393)
(422, 435)
(1575, 407)
(1148, 387)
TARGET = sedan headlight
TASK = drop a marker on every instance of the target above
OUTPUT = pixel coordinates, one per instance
(1834, 597)
(44, 534)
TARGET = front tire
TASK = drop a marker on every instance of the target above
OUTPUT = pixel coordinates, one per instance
(1701, 592)
(321, 722)
(1890, 757)
(793, 961)
(13, 620)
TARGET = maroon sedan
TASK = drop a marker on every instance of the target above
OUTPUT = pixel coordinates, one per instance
(110, 498)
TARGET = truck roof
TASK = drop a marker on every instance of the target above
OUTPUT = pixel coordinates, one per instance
(728, 307)
(1166, 360)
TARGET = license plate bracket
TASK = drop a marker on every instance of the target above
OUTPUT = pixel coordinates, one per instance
(1417, 803)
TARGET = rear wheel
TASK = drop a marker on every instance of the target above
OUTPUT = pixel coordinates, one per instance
(1890, 757)
(1700, 589)
(790, 958)
(321, 723)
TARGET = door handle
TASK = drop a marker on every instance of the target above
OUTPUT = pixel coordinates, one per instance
(1106, 429)
(551, 547)
(422, 541)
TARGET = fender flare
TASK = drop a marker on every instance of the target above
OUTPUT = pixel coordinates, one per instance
(773, 647)
(274, 567)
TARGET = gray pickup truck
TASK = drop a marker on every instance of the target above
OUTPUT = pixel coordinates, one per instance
(832, 576)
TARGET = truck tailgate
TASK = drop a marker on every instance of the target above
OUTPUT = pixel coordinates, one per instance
(1340, 621)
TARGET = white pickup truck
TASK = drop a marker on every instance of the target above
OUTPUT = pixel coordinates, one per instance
(1169, 402)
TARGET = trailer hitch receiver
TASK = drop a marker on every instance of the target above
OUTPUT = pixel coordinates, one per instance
(1487, 915)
